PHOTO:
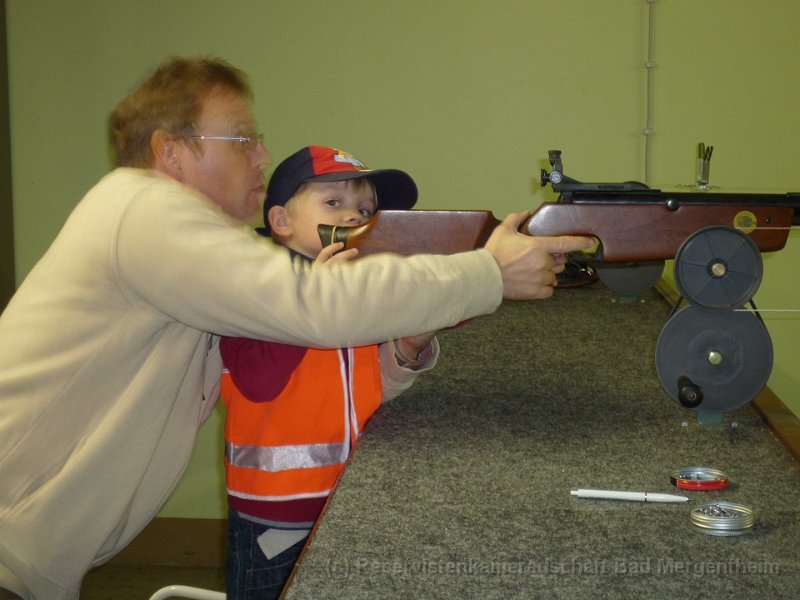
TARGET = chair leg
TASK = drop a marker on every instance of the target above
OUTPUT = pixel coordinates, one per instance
(185, 591)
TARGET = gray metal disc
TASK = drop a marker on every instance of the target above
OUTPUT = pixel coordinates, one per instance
(630, 279)
(718, 268)
(728, 355)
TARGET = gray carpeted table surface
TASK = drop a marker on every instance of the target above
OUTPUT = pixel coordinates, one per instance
(460, 488)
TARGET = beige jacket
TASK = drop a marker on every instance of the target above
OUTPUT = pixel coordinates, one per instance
(108, 362)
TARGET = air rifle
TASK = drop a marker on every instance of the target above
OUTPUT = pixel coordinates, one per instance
(632, 222)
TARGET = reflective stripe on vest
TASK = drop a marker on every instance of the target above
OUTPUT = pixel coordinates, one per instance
(282, 458)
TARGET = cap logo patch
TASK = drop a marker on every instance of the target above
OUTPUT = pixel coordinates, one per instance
(344, 157)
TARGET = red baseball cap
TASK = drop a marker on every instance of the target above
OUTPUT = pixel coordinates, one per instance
(395, 190)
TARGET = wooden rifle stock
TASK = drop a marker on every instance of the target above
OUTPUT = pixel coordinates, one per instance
(628, 231)
(408, 232)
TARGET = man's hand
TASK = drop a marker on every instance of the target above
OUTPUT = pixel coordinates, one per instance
(529, 264)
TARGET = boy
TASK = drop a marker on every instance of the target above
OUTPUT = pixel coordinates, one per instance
(294, 414)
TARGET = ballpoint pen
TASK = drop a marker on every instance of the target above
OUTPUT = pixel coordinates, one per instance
(635, 496)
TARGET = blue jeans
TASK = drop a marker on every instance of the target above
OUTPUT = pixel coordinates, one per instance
(249, 575)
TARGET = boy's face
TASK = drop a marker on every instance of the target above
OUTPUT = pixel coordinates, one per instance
(340, 203)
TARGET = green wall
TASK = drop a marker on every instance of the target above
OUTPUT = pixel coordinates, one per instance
(467, 95)
(7, 279)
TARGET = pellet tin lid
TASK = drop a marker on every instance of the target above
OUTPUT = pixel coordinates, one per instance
(699, 479)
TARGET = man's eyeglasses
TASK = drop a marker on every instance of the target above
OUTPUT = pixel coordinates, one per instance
(249, 141)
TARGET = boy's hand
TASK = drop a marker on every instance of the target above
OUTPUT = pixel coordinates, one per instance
(334, 253)
(412, 346)
(415, 352)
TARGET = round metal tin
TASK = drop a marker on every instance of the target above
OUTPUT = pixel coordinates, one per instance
(723, 518)
(701, 479)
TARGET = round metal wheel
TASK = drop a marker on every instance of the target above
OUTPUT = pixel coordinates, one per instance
(718, 268)
(713, 361)
(630, 279)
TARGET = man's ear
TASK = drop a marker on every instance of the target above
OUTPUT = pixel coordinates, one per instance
(279, 221)
(165, 155)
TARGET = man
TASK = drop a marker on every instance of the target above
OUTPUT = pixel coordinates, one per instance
(108, 357)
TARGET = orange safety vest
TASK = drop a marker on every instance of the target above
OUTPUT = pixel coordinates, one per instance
(295, 446)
